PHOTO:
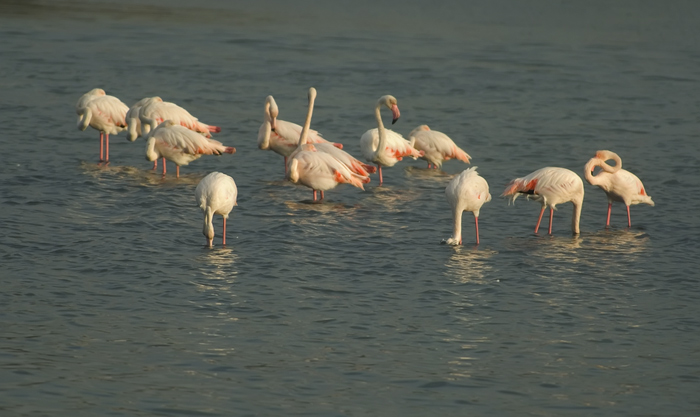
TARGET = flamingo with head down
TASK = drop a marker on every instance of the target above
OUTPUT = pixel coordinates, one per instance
(385, 147)
(318, 170)
(466, 192)
(180, 145)
(618, 184)
(106, 114)
(216, 194)
(550, 186)
(437, 146)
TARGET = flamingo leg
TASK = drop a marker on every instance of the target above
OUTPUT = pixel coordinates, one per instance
(607, 224)
(629, 219)
(155, 164)
(322, 195)
(102, 138)
(537, 227)
(476, 226)
(428, 165)
(224, 236)
(379, 168)
(314, 195)
(163, 166)
(107, 147)
(551, 216)
(177, 171)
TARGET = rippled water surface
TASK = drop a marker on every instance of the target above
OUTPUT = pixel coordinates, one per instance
(111, 305)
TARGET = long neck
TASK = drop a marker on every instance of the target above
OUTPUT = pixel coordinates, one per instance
(134, 125)
(380, 129)
(208, 230)
(268, 116)
(457, 225)
(307, 124)
(576, 217)
(588, 171)
(151, 153)
(84, 119)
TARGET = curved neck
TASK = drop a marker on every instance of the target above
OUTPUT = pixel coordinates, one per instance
(151, 153)
(307, 124)
(380, 128)
(576, 217)
(268, 116)
(457, 223)
(608, 168)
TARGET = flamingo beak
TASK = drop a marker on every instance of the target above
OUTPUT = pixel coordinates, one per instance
(395, 111)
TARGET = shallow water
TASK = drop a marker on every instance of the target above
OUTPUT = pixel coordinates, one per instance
(112, 305)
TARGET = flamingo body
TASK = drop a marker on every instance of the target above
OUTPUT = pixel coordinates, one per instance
(385, 147)
(180, 145)
(550, 186)
(436, 146)
(216, 194)
(106, 114)
(155, 111)
(617, 183)
(466, 192)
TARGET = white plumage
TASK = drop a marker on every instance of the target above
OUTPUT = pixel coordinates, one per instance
(466, 192)
(155, 111)
(216, 194)
(106, 114)
(436, 146)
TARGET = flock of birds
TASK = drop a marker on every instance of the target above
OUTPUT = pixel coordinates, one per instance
(173, 134)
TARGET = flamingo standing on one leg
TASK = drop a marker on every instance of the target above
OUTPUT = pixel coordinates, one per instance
(107, 114)
(618, 184)
(318, 170)
(385, 147)
(437, 146)
(215, 194)
(466, 192)
(550, 186)
(178, 144)
(281, 136)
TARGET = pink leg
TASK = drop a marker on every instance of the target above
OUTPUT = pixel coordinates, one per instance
(428, 165)
(537, 227)
(155, 164)
(551, 215)
(314, 195)
(102, 144)
(629, 219)
(177, 171)
(476, 226)
(381, 180)
(224, 242)
(163, 166)
(322, 195)
(607, 224)
(107, 147)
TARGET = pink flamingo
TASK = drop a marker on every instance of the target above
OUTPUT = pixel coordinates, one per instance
(618, 184)
(154, 111)
(282, 136)
(106, 114)
(216, 194)
(437, 146)
(466, 192)
(318, 170)
(180, 145)
(385, 147)
(550, 186)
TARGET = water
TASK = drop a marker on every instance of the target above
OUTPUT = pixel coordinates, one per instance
(111, 305)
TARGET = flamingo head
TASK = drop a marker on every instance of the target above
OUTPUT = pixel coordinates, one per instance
(209, 234)
(271, 112)
(391, 102)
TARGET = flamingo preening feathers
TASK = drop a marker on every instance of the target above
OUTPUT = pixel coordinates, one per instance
(436, 146)
(618, 184)
(106, 114)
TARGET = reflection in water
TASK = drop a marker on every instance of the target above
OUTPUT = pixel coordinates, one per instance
(428, 175)
(143, 176)
(218, 264)
(469, 264)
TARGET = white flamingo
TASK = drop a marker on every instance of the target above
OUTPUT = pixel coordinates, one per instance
(282, 136)
(318, 170)
(106, 114)
(180, 145)
(437, 146)
(385, 147)
(466, 192)
(155, 111)
(216, 194)
(550, 186)
(618, 184)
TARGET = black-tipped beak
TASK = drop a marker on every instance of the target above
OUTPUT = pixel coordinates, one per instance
(394, 120)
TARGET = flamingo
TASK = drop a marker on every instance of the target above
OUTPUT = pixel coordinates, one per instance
(155, 111)
(107, 114)
(466, 192)
(317, 170)
(618, 184)
(215, 194)
(385, 147)
(178, 144)
(550, 186)
(281, 136)
(133, 120)
(437, 146)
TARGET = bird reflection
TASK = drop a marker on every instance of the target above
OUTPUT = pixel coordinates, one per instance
(144, 177)
(428, 174)
(218, 264)
(469, 264)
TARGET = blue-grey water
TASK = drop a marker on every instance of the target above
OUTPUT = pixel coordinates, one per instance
(111, 305)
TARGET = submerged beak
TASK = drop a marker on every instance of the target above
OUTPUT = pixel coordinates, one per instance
(395, 111)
